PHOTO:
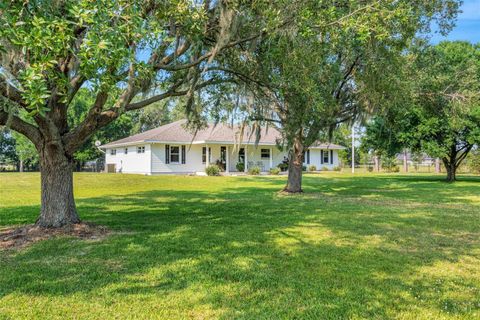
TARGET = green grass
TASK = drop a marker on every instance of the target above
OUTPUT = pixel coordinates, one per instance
(363, 247)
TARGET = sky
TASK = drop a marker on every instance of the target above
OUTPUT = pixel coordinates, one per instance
(467, 26)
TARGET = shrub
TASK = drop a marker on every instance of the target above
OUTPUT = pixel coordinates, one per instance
(254, 171)
(283, 166)
(312, 168)
(212, 170)
(325, 168)
(304, 168)
(337, 168)
(389, 164)
(395, 169)
(274, 171)
(240, 166)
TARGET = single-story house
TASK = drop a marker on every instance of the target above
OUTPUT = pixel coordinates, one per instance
(173, 149)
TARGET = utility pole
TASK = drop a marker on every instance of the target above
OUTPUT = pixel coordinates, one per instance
(353, 148)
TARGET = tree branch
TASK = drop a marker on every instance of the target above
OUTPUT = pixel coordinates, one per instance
(17, 124)
(11, 93)
(164, 66)
(463, 156)
(172, 93)
(78, 136)
(346, 77)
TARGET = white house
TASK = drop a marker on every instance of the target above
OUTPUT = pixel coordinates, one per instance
(173, 149)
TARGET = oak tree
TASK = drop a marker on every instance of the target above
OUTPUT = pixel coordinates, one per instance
(130, 54)
(333, 64)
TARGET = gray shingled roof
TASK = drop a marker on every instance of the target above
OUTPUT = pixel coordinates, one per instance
(220, 133)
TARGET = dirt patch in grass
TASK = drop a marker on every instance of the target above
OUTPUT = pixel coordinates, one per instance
(17, 238)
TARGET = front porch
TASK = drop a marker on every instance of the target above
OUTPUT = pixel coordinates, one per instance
(239, 159)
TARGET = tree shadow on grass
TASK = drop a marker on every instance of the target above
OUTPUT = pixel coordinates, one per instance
(252, 253)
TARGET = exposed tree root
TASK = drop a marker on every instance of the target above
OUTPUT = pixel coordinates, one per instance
(289, 192)
(20, 237)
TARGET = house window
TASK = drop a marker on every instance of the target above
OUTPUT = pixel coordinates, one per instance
(241, 155)
(265, 153)
(325, 156)
(204, 155)
(113, 152)
(141, 149)
(126, 150)
(174, 154)
(306, 157)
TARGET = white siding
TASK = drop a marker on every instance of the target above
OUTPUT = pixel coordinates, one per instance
(132, 162)
(153, 160)
(315, 159)
(192, 164)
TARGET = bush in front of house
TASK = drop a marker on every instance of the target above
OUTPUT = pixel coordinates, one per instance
(283, 166)
(312, 168)
(240, 167)
(274, 171)
(212, 170)
(254, 171)
(304, 168)
(337, 168)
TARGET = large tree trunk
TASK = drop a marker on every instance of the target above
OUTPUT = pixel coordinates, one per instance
(21, 165)
(451, 169)
(454, 159)
(58, 205)
(451, 173)
(295, 165)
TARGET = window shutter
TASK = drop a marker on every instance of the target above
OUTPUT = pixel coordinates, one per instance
(167, 154)
(331, 156)
(183, 155)
(321, 156)
(308, 156)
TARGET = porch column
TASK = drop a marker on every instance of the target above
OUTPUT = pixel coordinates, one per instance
(227, 159)
(271, 158)
(207, 155)
(245, 169)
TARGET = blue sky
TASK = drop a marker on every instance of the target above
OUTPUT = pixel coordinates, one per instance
(467, 26)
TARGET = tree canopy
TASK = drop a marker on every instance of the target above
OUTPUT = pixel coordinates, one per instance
(130, 54)
(441, 116)
(333, 64)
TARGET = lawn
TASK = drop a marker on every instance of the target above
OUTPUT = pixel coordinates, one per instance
(363, 247)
